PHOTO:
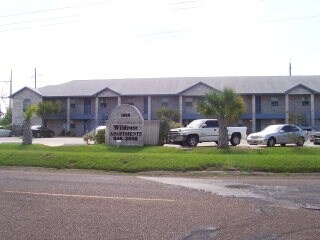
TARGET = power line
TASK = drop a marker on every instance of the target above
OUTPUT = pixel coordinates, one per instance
(290, 19)
(53, 9)
(186, 2)
(44, 25)
(163, 32)
(37, 20)
(44, 19)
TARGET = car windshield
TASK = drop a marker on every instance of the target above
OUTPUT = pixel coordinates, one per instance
(272, 128)
(195, 124)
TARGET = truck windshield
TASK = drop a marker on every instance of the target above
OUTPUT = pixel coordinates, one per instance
(195, 124)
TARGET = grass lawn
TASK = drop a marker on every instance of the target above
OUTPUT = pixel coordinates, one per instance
(156, 158)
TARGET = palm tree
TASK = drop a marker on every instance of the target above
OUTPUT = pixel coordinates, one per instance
(226, 106)
(46, 108)
(27, 134)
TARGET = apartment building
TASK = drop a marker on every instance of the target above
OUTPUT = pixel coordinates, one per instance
(89, 103)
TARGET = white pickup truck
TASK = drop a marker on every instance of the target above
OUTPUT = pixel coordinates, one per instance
(204, 130)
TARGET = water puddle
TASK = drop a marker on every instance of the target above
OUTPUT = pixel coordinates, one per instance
(311, 206)
(280, 196)
(201, 234)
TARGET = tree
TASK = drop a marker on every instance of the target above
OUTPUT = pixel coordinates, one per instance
(165, 113)
(7, 118)
(169, 119)
(226, 106)
(46, 109)
(27, 133)
(297, 119)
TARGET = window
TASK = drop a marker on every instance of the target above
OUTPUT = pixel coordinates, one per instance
(201, 99)
(165, 102)
(189, 102)
(286, 128)
(274, 101)
(73, 104)
(212, 124)
(294, 129)
(305, 101)
(103, 103)
(26, 104)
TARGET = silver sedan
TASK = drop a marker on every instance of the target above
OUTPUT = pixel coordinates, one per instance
(278, 134)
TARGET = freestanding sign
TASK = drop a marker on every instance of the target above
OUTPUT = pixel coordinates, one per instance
(125, 126)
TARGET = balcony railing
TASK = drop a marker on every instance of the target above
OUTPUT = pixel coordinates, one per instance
(79, 116)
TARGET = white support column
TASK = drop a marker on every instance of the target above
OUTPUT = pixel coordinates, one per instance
(119, 100)
(68, 114)
(312, 109)
(149, 108)
(287, 107)
(96, 114)
(253, 113)
(180, 108)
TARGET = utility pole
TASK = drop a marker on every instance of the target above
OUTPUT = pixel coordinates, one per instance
(3, 96)
(10, 100)
(35, 77)
(290, 68)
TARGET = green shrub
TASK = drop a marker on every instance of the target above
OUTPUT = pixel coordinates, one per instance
(169, 119)
(165, 126)
(88, 137)
(100, 136)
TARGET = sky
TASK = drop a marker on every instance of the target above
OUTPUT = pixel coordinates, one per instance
(99, 39)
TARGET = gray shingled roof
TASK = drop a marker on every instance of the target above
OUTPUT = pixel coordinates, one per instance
(171, 86)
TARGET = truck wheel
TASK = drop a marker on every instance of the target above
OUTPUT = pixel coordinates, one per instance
(235, 139)
(192, 141)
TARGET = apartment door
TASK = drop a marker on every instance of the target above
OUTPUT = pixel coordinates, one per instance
(258, 125)
(87, 106)
(258, 104)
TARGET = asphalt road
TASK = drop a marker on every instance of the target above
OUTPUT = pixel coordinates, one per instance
(52, 204)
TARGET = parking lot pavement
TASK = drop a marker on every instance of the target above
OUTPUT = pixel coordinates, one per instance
(242, 144)
(64, 141)
(53, 142)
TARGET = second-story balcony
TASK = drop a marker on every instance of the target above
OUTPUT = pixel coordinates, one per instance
(75, 116)
(249, 116)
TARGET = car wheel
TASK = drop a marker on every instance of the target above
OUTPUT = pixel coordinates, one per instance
(300, 141)
(192, 141)
(271, 142)
(235, 139)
